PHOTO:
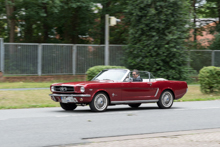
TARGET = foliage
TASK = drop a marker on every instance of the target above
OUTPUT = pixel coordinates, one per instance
(199, 59)
(51, 20)
(93, 71)
(209, 9)
(209, 79)
(157, 36)
(63, 21)
(118, 33)
(75, 19)
(3, 22)
(215, 43)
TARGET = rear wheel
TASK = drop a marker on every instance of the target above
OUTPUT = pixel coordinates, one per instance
(99, 102)
(68, 106)
(166, 100)
(134, 105)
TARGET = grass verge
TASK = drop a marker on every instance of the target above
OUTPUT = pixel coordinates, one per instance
(26, 99)
(40, 98)
(24, 85)
(10, 85)
(194, 94)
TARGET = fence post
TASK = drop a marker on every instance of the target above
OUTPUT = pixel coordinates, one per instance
(106, 39)
(2, 51)
(39, 66)
(74, 58)
(213, 58)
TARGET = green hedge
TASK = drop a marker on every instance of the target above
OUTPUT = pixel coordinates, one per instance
(209, 79)
(93, 71)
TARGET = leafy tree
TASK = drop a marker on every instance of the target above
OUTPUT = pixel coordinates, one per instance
(157, 36)
(61, 20)
(215, 43)
(48, 20)
(211, 9)
(9, 4)
(118, 33)
(3, 21)
(74, 19)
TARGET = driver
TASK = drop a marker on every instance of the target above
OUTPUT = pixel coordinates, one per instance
(136, 76)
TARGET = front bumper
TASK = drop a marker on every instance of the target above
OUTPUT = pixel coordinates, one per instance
(70, 98)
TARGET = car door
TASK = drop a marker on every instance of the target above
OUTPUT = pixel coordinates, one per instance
(139, 91)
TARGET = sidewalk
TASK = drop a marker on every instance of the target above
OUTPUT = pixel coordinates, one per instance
(194, 138)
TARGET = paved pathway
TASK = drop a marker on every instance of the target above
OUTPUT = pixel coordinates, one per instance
(194, 138)
(48, 127)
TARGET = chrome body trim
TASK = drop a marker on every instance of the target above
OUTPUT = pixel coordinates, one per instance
(135, 101)
(73, 95)
(156, 92)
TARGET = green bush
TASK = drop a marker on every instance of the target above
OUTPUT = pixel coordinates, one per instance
(93, 71)
(209, 79)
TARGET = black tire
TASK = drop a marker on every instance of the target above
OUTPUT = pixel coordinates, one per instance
(134, 105)
(166, 100)
(68, 106)
(99, 102)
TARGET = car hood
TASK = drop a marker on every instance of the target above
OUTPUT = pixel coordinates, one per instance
(81, 83)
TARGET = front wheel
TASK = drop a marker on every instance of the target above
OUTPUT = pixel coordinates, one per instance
(166, 100)
(134, 105)
(68, 106)
(99, 102)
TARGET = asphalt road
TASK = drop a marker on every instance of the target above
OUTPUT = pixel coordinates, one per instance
(54, 127)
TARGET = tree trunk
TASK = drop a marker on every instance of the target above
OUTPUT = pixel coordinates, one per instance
(11, 21)
(74, 24)
(28, 32)
(45, 24)
(102, 31)
(218, 5)
(194, 21)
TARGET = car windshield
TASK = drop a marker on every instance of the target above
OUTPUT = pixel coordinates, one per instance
(115, 75)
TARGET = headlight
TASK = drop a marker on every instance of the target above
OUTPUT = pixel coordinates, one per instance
(82, 89)
(52, 88)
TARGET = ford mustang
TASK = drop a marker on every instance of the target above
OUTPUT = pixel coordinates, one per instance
(116, 86)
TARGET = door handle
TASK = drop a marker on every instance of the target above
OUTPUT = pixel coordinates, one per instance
(149, 84)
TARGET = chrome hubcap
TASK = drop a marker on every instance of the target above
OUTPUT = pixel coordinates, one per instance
(167, 99)
(101, 102)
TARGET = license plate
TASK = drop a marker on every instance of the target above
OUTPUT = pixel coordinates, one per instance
(63, 99)
(68, 99)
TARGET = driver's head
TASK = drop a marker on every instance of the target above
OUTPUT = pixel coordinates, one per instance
(135, 73)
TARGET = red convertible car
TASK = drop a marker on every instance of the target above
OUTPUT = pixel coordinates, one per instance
(116, 86)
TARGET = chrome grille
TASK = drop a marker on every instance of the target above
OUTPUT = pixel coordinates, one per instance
(64, 88)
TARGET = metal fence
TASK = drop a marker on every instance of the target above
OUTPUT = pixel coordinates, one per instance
(1, 54)
(55, 59)
(60, 59)
(200, 58)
